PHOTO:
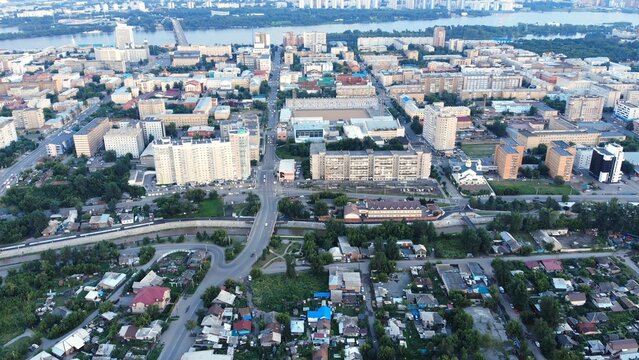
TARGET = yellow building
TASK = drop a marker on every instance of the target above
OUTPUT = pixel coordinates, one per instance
(90, 138)
(508, 158)
(560, 158)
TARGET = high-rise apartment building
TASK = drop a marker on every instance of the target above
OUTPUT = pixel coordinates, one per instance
(241, 151)
(261, 40)
(560, 158)
(152, 128)
(127, 139)
(508, 158)
(203, 161)
(124, 36)
(439, 36)
(584, 108)
(28, 118)
(8, 132)
(440, 127)
(314, 41)
(150, 107)
(369, 165)
(90, 138)
(606, 162)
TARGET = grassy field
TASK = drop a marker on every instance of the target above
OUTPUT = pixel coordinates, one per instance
(518, 187)
(478, 150)
(290, 151)
(209, 208)
(280, 293)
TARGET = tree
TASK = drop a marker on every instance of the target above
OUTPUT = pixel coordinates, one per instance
(290, 265)
(109, 156)
(320, 208)
(627, 168)
(209, 295)
(146, 254)
(558, 180)
(105, 307)
(195, 195)
(518, 292)
(190, 325)
(514, 330)
(171, 130)
(416, 125)
(550, 311)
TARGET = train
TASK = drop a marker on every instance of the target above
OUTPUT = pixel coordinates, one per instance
(64, 238)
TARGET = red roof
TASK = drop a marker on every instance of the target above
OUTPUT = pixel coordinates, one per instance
(242, 325)
(150, 295)
(351, 80)
(552, 265)
(587, 328)
(532, 265)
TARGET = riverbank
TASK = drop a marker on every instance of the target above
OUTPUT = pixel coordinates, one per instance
(244, 36)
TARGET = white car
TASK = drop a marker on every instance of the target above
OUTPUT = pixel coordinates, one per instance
(265, 224)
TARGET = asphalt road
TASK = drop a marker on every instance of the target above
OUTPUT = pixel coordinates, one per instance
(176, 339)
(28, 161)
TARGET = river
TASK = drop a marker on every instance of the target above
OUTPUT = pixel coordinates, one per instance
(244, 36)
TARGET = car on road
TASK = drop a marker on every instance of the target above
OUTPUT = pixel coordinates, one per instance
(252, 255)
(265, 224)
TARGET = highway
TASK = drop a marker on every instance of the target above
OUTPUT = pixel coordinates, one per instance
(176, 339)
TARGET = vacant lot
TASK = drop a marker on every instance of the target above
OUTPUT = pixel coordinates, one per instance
(209, 208)
(281, 293)
(479, 150)
(518, 187)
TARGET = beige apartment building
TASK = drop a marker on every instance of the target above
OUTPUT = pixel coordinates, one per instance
(369, 165)
(150, 107)
(90, 138)
(125, 140)
(508, 158)
(584, 108)
(532, 138)
(440, 127)
(181, 120)
(7, 132)
(560, 158)
(187, 160)
(28, 118)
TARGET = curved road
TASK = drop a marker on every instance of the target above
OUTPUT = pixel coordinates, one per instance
(176, 339)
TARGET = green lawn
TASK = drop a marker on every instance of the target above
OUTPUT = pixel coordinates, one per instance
(478, 150)
(291, 151)
(209, 208)
(280, 293)
(518, 187)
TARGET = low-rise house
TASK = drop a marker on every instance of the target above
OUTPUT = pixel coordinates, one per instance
(348, 326)
(224, 298)
(100, 221)
(111, 280)
(346, 281)
(552, 265)
(150, 279)
(566, 341)
(129, 257)
(271, 335)
(320, 339)
(597, 317)
(422, 301)
(149, 296)
(596, 347)
(587, 328)
(297, 327)
(242, 327)
(71, 343)
(395, 328)
(576, 298)
(615, 347)
(420, 251)
(321, 353)
(323, 313)
(601, 301)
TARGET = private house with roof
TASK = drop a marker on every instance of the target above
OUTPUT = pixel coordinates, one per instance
(149, 296)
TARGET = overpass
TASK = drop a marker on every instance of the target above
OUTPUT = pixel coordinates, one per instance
(178, 32)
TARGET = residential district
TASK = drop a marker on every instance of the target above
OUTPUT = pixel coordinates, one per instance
(393, 197)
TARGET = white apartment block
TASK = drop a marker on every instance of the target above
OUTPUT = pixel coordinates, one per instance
(152, 127)
(188, 161)
(125, 140)
(369, 165)
(7, 132)
(314, 41)
(440, 127)
(627, 111)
